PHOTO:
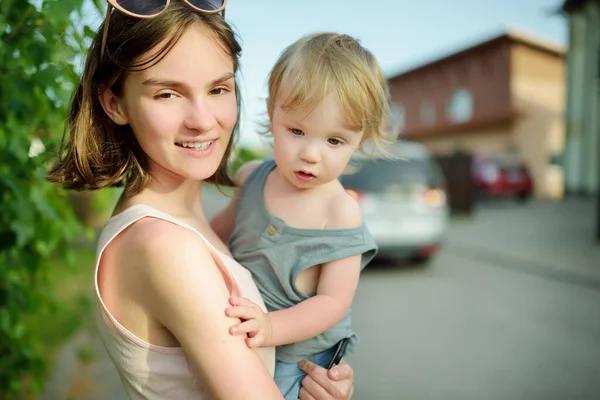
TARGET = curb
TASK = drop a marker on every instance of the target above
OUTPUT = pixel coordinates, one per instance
(521, 264)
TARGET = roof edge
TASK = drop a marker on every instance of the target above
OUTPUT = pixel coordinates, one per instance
(514, 34)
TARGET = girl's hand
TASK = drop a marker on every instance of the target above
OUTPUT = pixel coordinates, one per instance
(255, 323)
(336, 383)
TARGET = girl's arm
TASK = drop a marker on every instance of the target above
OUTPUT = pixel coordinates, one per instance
(186, 292)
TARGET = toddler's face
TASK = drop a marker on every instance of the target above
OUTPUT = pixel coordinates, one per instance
(315, 148)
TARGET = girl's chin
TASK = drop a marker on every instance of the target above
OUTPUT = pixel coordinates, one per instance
(181, 175)
(204, 173)
(188, 168)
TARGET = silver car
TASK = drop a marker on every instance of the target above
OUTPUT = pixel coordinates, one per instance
(403, 200)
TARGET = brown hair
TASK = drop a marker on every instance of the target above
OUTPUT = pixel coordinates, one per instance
(95, 152)
(319, 64)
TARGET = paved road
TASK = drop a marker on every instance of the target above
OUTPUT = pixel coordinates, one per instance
(464, 329)
(551, 238)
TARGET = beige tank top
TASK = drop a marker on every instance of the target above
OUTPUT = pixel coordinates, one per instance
(151, 372)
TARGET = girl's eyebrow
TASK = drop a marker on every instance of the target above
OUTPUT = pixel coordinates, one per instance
(178, 84)
(222, 79)
(162, 82)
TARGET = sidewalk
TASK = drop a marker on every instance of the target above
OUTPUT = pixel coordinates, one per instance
(550, 238)
(75, 378)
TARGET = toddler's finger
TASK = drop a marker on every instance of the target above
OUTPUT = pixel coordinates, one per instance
(239, 301)
(255, 341)
(241, 312)
(244, 327)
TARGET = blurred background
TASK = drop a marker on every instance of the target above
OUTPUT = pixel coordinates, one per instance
(487, 284)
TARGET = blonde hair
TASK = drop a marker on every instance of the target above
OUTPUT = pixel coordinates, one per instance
(323, 63)
(95, 152)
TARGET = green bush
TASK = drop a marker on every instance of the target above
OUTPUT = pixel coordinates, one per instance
(244, 154)
(39, 44)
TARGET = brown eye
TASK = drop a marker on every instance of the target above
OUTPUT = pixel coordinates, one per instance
(166, 96)
(219, 90)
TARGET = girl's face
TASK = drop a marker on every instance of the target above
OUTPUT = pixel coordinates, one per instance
(313, 149)
(182, 110)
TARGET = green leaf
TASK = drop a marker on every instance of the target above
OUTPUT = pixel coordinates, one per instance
(24, 231)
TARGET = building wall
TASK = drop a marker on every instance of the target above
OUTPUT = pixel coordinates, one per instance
(484, 72)
(539, 98)
(483, 142)
(581, 156)
(574, 111)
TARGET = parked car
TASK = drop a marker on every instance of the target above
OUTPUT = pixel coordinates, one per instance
(403, 200)
(502, 176)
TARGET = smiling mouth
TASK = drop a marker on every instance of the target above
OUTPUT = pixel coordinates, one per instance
(199, 146)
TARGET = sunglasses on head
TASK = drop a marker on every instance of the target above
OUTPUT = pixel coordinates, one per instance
(151, 8)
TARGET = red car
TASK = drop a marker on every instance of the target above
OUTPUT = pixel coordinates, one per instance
(503, 177)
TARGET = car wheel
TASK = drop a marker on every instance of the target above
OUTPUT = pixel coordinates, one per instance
(420, 260)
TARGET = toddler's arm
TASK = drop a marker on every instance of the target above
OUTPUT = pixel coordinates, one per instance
(335, 291)
(337, 285)
(305, 320)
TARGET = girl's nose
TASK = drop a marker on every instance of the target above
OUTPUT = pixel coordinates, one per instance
(200, 117)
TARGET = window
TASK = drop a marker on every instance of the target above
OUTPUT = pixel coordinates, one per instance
(460, 106)
(427, 112)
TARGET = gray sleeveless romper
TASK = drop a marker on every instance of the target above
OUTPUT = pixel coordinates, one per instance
(276, 254)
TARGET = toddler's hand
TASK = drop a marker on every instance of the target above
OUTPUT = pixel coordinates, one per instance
(255, 322)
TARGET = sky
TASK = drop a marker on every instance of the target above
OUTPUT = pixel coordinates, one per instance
(400, 33)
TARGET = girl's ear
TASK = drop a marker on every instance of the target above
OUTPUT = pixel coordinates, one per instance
(113, 107)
